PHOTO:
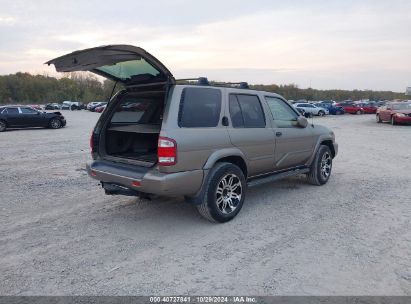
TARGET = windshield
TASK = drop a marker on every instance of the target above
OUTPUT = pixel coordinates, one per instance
(127, 69)
(401, 106)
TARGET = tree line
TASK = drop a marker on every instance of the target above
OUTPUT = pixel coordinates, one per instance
(24, 88)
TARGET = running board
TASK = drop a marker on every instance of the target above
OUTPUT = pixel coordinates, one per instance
(276, 176)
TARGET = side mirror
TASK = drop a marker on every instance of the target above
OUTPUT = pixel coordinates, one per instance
(302, 122)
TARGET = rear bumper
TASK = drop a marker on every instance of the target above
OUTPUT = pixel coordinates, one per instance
(150, 180)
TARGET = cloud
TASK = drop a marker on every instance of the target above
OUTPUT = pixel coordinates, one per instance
(329, 44)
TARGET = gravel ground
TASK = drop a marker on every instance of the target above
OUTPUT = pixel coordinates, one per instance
(60, 235)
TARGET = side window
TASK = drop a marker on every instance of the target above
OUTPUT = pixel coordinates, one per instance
(249, 106)
(283, 115)
(199, 108)
(12, 111)
(235, 112)
(28, 111)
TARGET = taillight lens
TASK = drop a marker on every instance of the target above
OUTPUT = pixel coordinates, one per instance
(167, 151)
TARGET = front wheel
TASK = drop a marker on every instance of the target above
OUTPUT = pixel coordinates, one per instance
(55, 123)
(378, 118)
(321, 113)
(358, 112)
(224, 193)
(320, 171)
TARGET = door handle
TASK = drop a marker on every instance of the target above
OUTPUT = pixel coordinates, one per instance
(278, 134)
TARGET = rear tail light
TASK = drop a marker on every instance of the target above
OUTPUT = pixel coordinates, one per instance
(167, 151)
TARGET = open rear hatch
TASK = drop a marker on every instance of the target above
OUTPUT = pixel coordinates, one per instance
(133, 122)
(127, 64)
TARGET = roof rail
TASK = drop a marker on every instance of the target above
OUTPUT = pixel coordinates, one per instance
(204, 81)
(200, 80)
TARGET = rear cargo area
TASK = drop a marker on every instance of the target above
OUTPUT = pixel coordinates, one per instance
(133, 131)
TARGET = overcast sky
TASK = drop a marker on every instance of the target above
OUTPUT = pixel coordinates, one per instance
(325, 44)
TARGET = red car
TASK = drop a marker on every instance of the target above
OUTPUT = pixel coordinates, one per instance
(351, 108)
(369, 108)
(395, 113)
(100, 109)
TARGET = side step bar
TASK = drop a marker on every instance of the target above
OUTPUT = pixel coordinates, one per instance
(276, 176)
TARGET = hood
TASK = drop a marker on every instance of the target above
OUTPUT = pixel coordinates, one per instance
(127, 64)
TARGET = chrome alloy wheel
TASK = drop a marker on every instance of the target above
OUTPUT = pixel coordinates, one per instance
(228, 193)
(326, 163)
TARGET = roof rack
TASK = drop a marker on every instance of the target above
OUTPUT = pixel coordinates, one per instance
(200, 80)
(204, 81)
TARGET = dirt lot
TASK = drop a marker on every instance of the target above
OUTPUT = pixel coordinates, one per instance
(60, 235)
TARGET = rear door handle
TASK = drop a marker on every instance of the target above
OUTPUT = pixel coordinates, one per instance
(278, 134)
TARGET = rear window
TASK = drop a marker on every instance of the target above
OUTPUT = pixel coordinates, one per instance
(139, 110)
(199, 108)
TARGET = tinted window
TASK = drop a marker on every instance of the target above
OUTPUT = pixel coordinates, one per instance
(235, 112)
(199, 108)
(139, 110)
(28, 111)
(249, 106)
(282, 113)
(12, 111)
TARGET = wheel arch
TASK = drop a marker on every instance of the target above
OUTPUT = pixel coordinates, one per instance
(230, 155)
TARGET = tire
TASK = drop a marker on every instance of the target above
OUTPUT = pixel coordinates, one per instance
(220, 191)
(378, 118)
(3, 126)
(55, 123)
(320, 171)
(321, 113)
(358, 112)
(393, 122)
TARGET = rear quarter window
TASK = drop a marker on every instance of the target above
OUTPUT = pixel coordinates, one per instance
(199, 108)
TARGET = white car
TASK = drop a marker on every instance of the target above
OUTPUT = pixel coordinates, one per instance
(312, 109)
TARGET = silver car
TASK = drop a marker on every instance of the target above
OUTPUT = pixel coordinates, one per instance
(189, 138)
(310, 108)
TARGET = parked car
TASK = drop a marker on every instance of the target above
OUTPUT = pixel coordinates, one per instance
(310, 108)
(91, 106)
(332, 108)
(52, 106)
(100, 108)
(350, 107)
(36, 107)
(208, 143)
(395, 113)
(71, 105)
(368, 107)
(24, 116)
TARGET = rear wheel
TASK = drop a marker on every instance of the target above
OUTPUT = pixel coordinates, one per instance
(3, 126)
(358, 112)
(224, 193)
(55, 123)
(321, 113)
(321, 167)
